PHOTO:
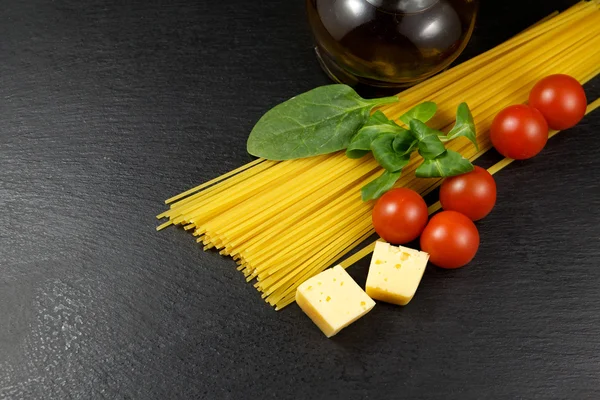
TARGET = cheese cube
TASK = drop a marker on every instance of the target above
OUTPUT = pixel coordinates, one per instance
(395, 273)
(333, 300)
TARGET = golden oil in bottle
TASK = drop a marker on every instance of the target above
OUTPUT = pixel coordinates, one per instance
(389, 44)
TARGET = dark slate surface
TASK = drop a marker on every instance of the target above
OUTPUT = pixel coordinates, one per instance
(108, 107)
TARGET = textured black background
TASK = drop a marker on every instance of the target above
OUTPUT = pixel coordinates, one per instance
(108, 107)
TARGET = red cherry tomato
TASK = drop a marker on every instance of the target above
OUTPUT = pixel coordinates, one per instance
(451, 239)
(400, 215)
(561, 99)
(472, 194)
(519, 132)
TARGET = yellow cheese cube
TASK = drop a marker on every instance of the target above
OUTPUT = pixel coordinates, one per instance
(333, 300)
(395, 273)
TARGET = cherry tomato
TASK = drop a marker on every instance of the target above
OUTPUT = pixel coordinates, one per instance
(561, 99)
(472, 194)
(400, 215)
(451, 239)
(519, 132)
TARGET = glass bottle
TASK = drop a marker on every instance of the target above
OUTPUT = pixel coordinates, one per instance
(389, 44)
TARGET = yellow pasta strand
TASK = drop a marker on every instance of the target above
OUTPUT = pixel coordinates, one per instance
(283, 222)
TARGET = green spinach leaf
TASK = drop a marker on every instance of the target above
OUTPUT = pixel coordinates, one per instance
(423, 112)
(319, 121)
(374, 189)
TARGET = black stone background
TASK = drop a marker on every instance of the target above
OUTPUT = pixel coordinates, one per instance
(108, 107)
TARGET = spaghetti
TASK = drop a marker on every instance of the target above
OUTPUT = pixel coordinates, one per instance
(284, 222)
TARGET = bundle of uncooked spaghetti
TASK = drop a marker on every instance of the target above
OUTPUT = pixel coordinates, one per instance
(284, 222)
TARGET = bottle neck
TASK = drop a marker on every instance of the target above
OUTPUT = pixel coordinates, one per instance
(403, 6)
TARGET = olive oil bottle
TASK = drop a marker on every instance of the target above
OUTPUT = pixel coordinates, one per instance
(389, 44)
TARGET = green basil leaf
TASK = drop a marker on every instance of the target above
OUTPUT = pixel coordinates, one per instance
(464, 126)
(378, 118)
(430, 145)
(355, 153)
(405, 143)
(447, 164)
(378, 124)
(386, 156)
(374, 189)
(319, 121)
(423, 112)
(420, 130)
